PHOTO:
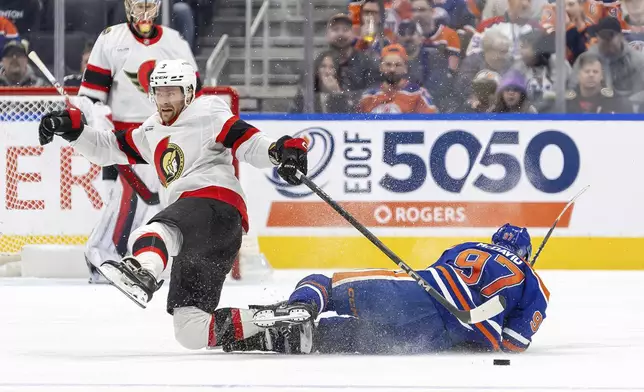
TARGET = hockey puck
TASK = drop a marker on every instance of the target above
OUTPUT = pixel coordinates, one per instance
(502, 362)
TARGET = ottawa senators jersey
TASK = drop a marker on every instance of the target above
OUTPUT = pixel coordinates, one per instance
(193, 155)
(119, 68)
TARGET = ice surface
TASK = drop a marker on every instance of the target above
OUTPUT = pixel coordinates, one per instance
(70, 336)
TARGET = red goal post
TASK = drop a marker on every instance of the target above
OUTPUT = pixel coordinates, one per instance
(50, 195)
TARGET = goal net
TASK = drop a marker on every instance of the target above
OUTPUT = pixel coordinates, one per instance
(51, 195)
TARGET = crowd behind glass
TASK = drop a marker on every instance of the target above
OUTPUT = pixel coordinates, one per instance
(442, 56)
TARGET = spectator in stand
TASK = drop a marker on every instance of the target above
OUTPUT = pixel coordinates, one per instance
(369, 39)
(8, 31)
(538, 67)
(437, 36)
(15, 71)
(396, 94)
(483, 97)
(183, 20)
(24, 14)
(495, 57)
(357, 71)
(516, 22)
(580, 14)
(622, 64)
(590, 96)
(511, 95)
(328, 95)
(494, 8)
(75, 80)
(630, 14)
(457, 14)
(426, 66)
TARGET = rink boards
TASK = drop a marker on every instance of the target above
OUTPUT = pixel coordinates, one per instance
(422, 183)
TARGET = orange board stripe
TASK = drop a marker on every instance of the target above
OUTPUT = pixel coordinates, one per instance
(418, 214)
(465, 305)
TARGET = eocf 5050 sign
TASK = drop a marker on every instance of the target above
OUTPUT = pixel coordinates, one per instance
(511, 164)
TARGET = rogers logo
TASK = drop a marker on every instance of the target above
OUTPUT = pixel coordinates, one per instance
(382, 214)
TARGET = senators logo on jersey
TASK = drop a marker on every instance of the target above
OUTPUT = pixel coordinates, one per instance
(169, 161)
(141, 78)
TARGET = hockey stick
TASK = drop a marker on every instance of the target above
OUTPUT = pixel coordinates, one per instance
(481, 313)
(547, 237)
(130, 176)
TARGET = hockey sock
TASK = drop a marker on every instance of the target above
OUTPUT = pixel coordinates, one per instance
(151, 252)
(313, 289)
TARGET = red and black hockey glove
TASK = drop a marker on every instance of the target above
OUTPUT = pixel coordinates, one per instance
(68, 124)
(290, 154)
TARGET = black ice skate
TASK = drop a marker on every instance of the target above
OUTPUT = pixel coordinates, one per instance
(292, 339)
(135, 282)
(285, 315)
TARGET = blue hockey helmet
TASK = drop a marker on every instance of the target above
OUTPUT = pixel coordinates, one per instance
(514, 238)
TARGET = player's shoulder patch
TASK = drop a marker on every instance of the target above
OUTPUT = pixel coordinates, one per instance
(571, 94)
(607, 92)
(106, 31)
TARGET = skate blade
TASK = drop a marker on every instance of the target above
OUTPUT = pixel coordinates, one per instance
(267, 319)
(118, 280)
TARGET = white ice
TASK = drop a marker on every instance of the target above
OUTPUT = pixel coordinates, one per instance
(70, 336)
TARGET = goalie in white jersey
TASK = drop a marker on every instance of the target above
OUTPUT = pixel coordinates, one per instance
(191, 142)
(117, 75)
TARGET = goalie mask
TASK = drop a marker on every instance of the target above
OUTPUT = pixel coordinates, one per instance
(142, 13)
(174, 73)
(514, 238)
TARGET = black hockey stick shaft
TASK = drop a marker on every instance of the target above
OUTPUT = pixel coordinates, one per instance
(463, 315)
(552, 228)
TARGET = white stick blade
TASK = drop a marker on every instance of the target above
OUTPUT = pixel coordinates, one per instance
(487, 310)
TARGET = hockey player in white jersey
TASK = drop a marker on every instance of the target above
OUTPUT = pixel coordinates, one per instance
(118, 74)
(191, 143)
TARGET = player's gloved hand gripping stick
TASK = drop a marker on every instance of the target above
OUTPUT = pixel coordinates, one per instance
(483, 312)
(64, 123)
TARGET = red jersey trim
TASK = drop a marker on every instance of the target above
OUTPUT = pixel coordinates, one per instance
(100, 70)
(226, 195)
(95, 87)
(122, 126)
(150, 41)
(225, 129)
(247, 135)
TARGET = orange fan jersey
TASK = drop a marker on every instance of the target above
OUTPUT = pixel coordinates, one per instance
(410, 98)
(593, 11)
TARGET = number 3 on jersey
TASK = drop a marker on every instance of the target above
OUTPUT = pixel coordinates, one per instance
(471, 264)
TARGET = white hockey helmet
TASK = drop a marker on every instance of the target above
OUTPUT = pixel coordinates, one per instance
(174, 73)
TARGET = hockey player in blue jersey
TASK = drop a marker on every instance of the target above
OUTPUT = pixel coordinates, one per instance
(386, 312)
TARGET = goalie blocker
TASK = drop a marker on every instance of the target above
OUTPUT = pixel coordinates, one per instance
(191, 142)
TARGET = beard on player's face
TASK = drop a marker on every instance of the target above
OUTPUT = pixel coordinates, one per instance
(170, 102)
(169, 110)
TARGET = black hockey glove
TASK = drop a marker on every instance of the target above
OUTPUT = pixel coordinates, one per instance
(290, 154)
(68, 124)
